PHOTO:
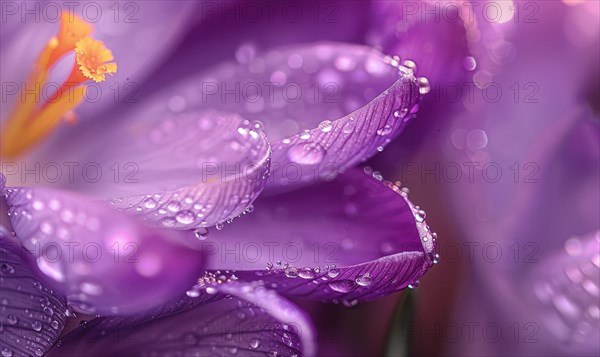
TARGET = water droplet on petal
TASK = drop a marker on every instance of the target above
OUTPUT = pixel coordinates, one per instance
(386, 130)
(291, 272)
(305, 135)
(400, 113)
(306, 273)
(185, 217)
(6, 269)
(306, 154)
(149, 203)
(423, 84)
(36, 326)
(341, 286)
(11, 319)
(470, 63)
(174, 206)
(332, 273)
(325, 126)
(193, 293)
(168, 222)
(349, 126)
(201, 233)
(364, 280)
(255, 343)
(410, 65)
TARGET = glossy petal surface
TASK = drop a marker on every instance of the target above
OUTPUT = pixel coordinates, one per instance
(177, 170)
(354, 238)
(104, 261)
(324, 107)
(236, 319)
(31, 315)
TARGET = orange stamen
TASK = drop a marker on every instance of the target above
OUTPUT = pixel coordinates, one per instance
(30, 122)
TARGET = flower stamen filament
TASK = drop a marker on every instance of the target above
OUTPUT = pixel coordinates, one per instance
(31, 121)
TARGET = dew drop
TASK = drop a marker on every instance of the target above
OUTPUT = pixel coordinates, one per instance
(168, 222)
(386, 130)
(411, 65)
(11, 319)
(401, 113)
(48, 311)
(255, 343)
(306, 273)
(173, 206)
(7, 269)
(305, 135)
(219, 226)
(325, 126)
(306, 154)
(341, 286)
(291, 272)
(423, 84)
(470, 63)
(149, 203)
(193, 293)
(349, 126)
(6, 352)
(201, 233)
(36, 326)
(364, 280)
(332, 273)
(257, 125)
(185, 217)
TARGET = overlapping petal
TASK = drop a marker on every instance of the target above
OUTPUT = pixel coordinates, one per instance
(234, 319)
(31, 315)
(177, 170)
(324, 107)
(103, 261)
(434, 35)
(352, 239)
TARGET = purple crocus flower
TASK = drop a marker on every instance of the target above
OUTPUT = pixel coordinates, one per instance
(181, 257)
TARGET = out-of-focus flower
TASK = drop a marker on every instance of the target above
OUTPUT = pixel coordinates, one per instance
(530, 111)
(131, 249)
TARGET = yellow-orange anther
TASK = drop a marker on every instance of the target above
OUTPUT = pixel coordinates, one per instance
(31, 121)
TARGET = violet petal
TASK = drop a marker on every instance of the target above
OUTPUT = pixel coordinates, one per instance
(179, 170)
(31, 315)
(352, 239)
(324, 107)
(104, 261)
(234, 319)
